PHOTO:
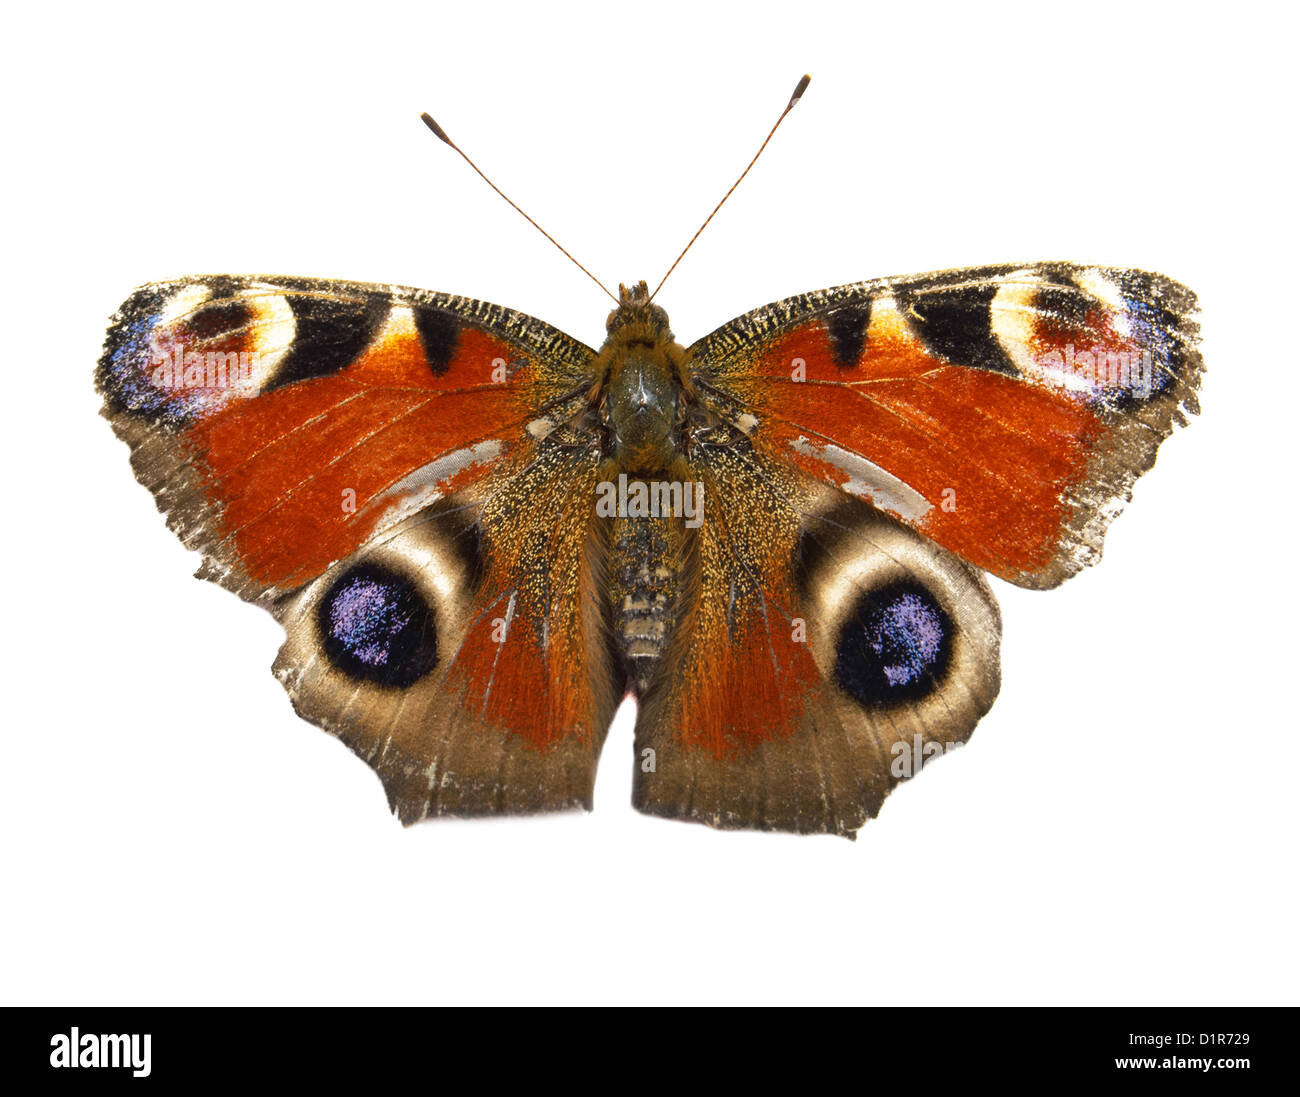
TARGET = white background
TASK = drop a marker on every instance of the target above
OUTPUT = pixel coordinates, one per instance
(1122, 827)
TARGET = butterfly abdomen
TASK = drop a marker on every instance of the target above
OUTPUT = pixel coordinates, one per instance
(643, 592)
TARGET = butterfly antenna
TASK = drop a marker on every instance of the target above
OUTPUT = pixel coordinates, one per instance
(442, 136)
(800, 88)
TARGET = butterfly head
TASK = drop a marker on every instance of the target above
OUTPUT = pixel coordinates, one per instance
(636, 317)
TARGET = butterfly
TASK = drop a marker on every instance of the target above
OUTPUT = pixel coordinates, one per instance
(480, 534)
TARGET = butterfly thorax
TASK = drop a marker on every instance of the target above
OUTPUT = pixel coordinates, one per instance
(641, 384)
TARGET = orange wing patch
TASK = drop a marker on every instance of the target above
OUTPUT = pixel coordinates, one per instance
(751, 690)
(976, 460)
(532, 662)
(1003, 412)
(283, 422)
(299, 470)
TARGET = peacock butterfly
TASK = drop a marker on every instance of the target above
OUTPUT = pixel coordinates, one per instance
(480, 534)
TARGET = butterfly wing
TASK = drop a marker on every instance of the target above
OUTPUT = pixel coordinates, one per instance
(1003, 412)
(831, 641)
(390, 473)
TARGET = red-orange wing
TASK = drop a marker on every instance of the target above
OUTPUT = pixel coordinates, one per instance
(281, 422)
(1003, 412)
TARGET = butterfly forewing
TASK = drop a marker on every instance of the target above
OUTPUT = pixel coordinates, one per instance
(1004, 412)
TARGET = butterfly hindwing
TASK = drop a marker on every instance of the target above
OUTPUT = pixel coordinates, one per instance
(823, 651)
(388, 471)
(464, 653)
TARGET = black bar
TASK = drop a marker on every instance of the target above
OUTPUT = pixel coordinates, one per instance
(587, 1049)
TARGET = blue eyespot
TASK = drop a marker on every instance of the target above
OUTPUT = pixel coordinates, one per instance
(377, 627)
(895, 645)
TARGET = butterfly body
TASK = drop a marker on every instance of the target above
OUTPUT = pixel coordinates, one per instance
(480, 534)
